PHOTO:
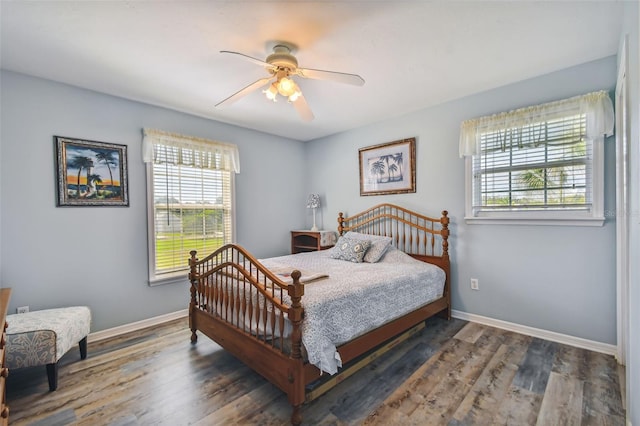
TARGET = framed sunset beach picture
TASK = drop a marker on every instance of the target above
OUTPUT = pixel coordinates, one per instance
(91, 173)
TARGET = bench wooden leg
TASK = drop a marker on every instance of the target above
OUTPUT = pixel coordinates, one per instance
(52, 369)
(83, 348)
(52, 375)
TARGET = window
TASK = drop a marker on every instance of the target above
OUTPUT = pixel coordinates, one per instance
(541, 164)
(190, 200)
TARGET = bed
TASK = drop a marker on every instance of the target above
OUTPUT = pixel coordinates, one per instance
(307, 321)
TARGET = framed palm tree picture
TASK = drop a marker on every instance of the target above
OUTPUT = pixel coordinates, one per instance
(91, 173)
(388, 168)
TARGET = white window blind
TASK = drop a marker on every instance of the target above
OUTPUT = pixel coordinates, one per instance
(190, 201)
(540, 162)
(543, 166)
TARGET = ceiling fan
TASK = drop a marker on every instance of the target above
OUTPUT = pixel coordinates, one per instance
(282, 66)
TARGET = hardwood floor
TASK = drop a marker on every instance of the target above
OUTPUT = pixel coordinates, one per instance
(452, 372)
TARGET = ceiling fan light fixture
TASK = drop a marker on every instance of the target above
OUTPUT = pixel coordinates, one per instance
(271, 92)
(286, 87)
(295, 95)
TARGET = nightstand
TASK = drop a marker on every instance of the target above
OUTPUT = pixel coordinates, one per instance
(302, 241)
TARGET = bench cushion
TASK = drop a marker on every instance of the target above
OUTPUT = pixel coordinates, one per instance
(43, 337)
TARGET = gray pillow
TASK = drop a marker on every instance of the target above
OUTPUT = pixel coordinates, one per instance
(350, 249)
(379, 245)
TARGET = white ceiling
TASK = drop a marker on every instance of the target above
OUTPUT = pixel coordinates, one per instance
(412, 54)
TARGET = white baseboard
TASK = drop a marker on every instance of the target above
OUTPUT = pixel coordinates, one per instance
(578, 342)
(134, 326)
(504, 325)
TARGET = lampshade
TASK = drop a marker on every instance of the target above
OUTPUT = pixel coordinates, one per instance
(271, 92)
(295, 95)
(286, 87)
(313, 202)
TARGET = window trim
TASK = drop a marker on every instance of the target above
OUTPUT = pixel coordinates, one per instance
(230, 163)
(600, 120)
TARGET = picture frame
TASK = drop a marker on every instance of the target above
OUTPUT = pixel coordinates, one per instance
(388, 168)
(90, 173)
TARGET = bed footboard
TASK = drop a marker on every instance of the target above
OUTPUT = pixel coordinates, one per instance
(252, 313)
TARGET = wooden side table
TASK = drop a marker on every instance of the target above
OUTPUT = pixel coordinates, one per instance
(303, 241)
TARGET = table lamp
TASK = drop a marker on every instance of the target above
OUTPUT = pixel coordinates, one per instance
(313, 202)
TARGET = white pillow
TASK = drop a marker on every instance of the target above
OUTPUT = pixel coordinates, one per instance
(379, 245)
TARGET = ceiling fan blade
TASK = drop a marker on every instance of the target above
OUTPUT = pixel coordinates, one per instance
(250, 58)
(245, 91)
(339, 77)
(303, 109)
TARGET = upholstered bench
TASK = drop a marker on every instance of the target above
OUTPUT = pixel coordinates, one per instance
(43, 337)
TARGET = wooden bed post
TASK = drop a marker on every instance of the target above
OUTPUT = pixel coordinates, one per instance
(297, 393)
(444, 220)
(444, 232)
(340, 223)
(192, 304)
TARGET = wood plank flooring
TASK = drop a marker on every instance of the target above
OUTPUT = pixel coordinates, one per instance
(450, 373)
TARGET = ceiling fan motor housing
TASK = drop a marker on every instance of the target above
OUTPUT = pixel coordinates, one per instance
(282, 58)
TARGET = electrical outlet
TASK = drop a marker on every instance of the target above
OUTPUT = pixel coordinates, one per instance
(474, 284)
(22, 309)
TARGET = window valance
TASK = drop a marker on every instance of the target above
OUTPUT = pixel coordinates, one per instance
(161, 147)
(528, 124)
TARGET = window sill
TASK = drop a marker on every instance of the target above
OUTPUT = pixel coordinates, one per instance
(536, 221)
(173, 279)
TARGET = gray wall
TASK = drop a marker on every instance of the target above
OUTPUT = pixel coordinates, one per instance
(555, 278)
(631, 23)
(97, 256)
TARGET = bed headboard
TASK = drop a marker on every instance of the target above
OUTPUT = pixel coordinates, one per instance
(415, 234)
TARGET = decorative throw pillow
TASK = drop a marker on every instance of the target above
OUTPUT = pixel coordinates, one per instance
(350, 250)
(379, 245)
